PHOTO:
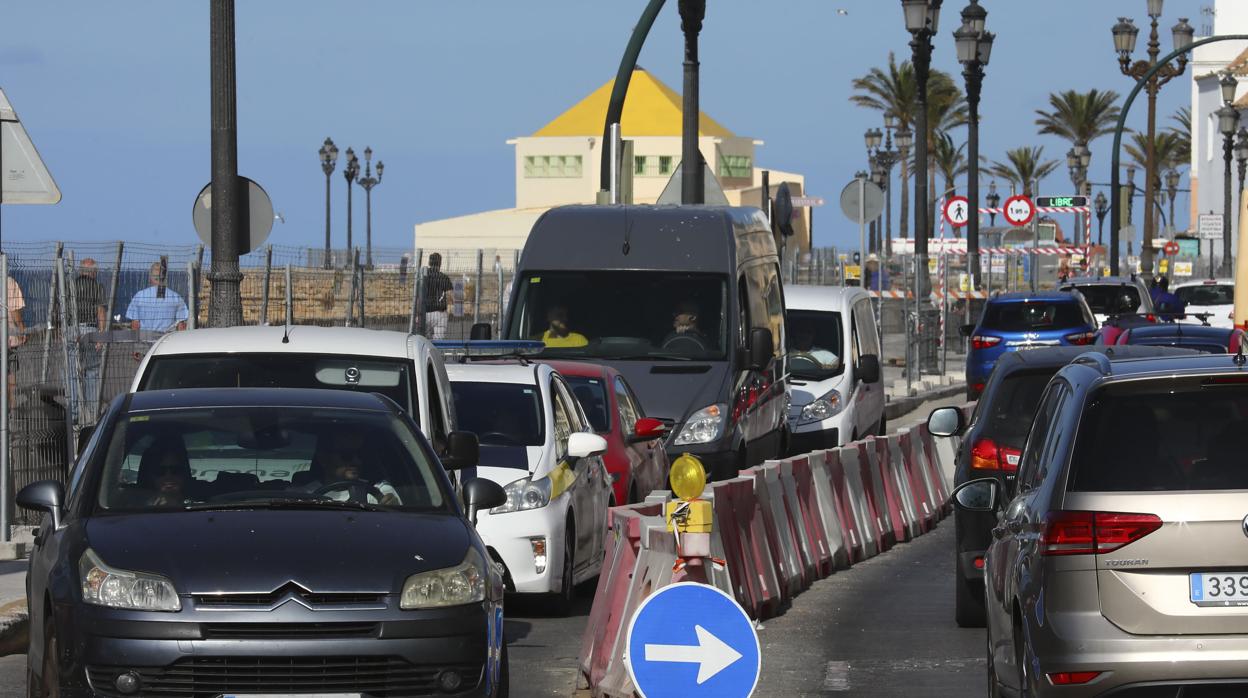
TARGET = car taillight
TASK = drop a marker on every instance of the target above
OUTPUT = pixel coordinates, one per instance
(1150, 317)
(1068, 678)
(986, 455)
(1093, 532)
(1081, 338)
(980, 341)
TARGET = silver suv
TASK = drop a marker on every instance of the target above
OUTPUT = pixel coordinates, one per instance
(1120, 564)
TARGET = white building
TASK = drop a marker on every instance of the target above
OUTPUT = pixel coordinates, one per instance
(1206, 68)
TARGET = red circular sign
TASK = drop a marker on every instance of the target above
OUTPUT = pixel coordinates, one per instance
(1171, 248)
(957, 211)
(1019, 210)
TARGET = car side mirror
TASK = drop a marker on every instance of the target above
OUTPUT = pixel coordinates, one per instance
(647, 429)
(761, 348)
(966, 330)
(481, 330)
(869, 368)
(583, 444)
(462, 450)
(480, 493)
(45, 495)
(977, 495)
(945, 421)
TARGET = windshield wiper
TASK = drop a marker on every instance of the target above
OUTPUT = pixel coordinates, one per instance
(644, 357)
(285, 504)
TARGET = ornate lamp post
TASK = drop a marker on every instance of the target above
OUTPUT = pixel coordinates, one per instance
(329, 159)
(1228, 121)
(887, 157)
(692, 13)
(368, 181)
(974, 47)
(1125, 35)
(994, 201)
(905, 138)
(350, 172)
(1172, 190)
(922, 21)
(1102, 208)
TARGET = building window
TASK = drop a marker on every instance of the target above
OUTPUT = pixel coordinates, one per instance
(639, 165)
(665, 164)
(652, 165)
(735, 166)
(538, 166)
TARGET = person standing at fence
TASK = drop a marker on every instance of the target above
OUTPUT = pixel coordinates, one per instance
(877, 275)
(437, 292)
(17, 330)
(92, 311)
(157, 308)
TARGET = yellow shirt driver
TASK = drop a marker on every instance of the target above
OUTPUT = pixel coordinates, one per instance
(558, 334)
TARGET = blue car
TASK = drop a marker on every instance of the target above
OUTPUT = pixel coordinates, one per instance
(1014, 321)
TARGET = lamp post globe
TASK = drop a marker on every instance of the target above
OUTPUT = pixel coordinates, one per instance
(329, 160)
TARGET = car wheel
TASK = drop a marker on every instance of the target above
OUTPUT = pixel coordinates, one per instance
(968, 606)
(48, 684)
(567, 592)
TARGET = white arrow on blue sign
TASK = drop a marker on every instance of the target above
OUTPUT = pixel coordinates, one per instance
(692, 640)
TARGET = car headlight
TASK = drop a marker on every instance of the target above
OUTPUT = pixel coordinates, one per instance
(524, 494)
(454, 586)
(106, 586)
(827, 406)
(703, 426)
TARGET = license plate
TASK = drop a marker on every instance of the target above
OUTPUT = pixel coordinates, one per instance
(1219, 588)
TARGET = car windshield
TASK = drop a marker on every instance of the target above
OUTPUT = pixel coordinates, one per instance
(501, 414)
(246, 457)
(816, 339)
(1111, 300)
(389, 377)
(1025, 316)
(1177, 434)
(592, 394)
(1206, 294)
(1013, 404)
(624, 314)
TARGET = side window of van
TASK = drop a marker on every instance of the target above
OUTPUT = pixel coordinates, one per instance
(437, 422)
(864, 317)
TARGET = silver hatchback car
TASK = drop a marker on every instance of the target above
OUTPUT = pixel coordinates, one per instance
(1120, 565)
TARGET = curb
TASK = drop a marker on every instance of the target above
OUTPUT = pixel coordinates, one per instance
(896, 408)
(14, 628)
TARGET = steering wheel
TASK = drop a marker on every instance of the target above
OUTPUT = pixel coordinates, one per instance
(684, 342)
(354, 487)
(498, 438)
(804, 358)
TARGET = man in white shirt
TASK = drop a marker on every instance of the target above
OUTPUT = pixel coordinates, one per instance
(157, 308)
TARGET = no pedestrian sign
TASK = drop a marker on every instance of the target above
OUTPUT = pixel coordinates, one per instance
(1019, 210)
(692, 640)
(958, 211)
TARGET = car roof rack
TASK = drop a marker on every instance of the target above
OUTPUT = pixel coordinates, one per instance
(1096, 360)
(462, 350)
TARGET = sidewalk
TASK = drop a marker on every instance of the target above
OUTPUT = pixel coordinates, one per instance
(903, 395)
(13, 618)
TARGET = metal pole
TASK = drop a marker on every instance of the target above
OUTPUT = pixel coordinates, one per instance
(498, 315)
(192, 290)
(619, 90)
(944, 322)
(329, 255)
(974, 73)
(108, 317)
(614, 147)
(476, 289)
(1035, 246)
(47, 335)
(418, 296)
(290, 308)
(70, 338)
(862, 234)
(692, 13)
(368, 227)
(349, 320)
(1228, 146)
(361, 290)
(264, 293)
(63, 321)
(225, 308)
(4, 398)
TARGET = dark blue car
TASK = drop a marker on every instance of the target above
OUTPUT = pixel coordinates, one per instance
(1025, 320)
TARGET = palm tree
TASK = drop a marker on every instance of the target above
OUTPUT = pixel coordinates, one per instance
(1080, 117)
(1022, 167)
(950, 162)
(1183, 131)
(895, 90)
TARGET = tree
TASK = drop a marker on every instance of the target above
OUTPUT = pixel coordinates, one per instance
(1168, 147)
(1022, 167)
(1080, 117)
(1183, 132)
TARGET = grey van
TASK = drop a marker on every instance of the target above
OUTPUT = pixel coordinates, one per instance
(686, 302)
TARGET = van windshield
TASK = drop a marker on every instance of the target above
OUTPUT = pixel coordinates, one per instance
(390, 377)
(816, 342)
(624, 314)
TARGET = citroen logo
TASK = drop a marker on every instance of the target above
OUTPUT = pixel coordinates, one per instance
(1244, 525)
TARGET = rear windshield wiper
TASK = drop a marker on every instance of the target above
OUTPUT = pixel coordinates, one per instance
(285, 504)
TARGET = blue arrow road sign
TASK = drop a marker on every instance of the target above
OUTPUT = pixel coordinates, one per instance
(691, 640)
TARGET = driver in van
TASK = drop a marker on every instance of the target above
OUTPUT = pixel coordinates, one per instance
(558, 334)
(338, 460)
(804, 343)
(685, 330)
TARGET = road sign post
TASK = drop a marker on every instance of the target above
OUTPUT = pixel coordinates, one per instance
(1209, 227)
(862, 201)
(957, 211)
(691, 640)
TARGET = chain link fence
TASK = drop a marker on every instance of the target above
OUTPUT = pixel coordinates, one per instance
(84, 315)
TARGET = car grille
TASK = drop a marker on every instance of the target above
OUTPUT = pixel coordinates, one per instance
(213, 676)
(272, 597)
(286, 631)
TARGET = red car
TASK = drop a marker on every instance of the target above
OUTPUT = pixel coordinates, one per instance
(635, 458)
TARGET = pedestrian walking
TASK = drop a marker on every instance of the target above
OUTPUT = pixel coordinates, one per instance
(437, 290)
(15, 302)
(92, 310)
(157, 308)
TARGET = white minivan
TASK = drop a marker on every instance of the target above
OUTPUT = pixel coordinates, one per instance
(835, 392)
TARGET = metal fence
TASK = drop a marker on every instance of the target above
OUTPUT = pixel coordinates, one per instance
(66, 362)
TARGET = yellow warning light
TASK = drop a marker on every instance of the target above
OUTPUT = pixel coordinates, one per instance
(688, 477)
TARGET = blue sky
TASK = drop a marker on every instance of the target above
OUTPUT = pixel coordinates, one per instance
(116, 96)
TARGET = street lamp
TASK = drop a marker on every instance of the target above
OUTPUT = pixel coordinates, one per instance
(994, 200)
(922, 21)
(329, 159)
(1125, 36)
(1228, 121)
(974, 47)
(350, 172)
(368, 181)
(692, 12)
(1241, 157)
(1102, 207)
(887, 157)
(1172, 190)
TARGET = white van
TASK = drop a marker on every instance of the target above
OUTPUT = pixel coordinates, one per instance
(835, 392)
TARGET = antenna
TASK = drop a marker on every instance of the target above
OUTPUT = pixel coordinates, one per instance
(289, 310)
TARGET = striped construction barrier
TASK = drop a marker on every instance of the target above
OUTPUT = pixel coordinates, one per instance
(776, 529)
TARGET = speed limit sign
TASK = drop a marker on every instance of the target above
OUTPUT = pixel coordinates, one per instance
(1019, 210)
